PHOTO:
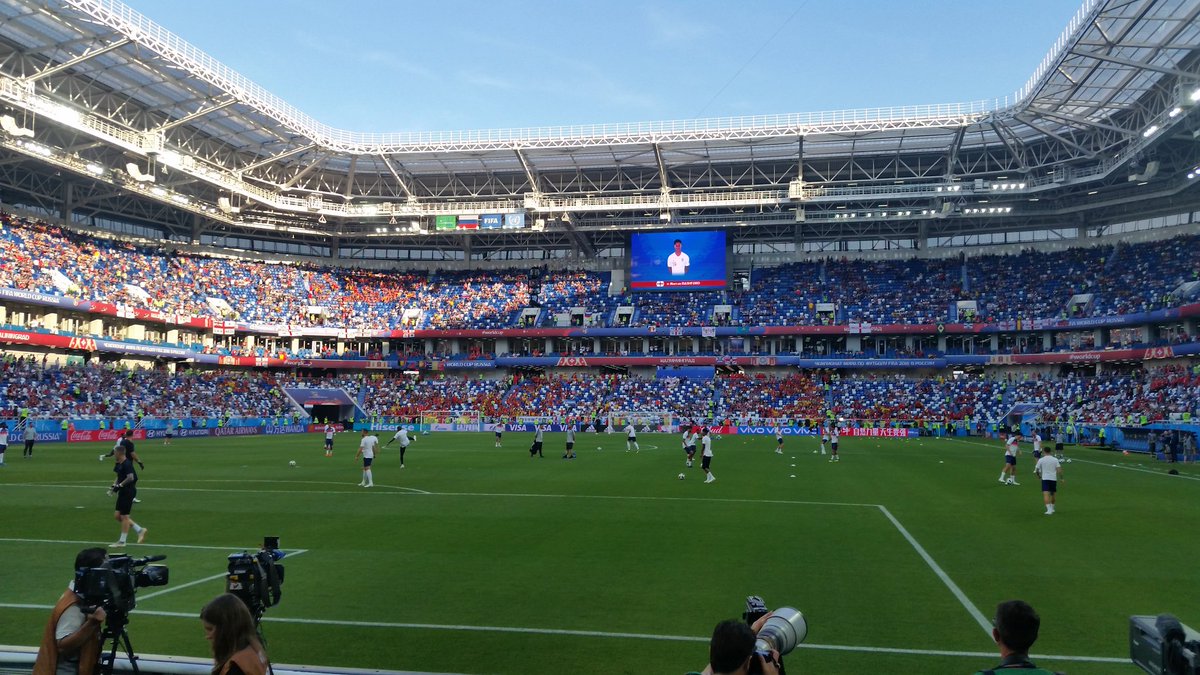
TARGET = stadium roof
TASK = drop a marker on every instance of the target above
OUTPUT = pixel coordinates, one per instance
(100, 100)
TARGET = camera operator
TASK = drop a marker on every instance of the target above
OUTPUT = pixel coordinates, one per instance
(71, 641)
(229, 627)
(731, 650)
(1015, 629)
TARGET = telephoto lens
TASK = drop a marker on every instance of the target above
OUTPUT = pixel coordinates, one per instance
(782, 632)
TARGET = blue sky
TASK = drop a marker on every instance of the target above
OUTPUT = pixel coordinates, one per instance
(388, 65)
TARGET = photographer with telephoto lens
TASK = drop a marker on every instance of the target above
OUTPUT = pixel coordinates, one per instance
(756, 645)
(71, 642)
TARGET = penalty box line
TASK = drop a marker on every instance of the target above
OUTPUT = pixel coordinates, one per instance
(984, 623)
(269, 618)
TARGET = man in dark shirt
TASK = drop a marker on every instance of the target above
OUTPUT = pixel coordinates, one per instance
(125, 487)
(1015, 630)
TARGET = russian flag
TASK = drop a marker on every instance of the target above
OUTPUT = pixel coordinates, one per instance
(468, 222)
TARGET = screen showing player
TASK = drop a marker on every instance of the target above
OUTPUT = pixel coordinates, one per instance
(677, 261)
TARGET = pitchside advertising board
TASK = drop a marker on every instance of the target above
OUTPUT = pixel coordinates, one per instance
(677, 261)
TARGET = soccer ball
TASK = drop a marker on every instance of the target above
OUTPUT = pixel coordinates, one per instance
(682, 476)
(292, 463)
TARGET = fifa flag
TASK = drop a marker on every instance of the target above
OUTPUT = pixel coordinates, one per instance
(468, 222)
(491, 221)
(445, 222)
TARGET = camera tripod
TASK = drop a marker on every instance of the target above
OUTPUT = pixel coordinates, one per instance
(114, 629)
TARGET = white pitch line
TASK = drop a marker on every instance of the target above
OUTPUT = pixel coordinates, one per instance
(941, 574)
(714, 500)
(607, 634)
(1093, 462)
(1138, 469)
(189, 584)
(101, 544)
(155, 594)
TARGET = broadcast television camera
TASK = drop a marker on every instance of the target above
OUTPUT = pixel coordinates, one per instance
(113, 584)
(257, 578)
(782, 632)
(1163, 646)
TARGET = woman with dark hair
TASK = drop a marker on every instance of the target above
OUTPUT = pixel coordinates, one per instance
(235, 645)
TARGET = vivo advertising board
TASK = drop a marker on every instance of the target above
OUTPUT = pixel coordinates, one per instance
(677, 261)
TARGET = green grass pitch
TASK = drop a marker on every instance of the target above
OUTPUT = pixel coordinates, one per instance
(475, 559)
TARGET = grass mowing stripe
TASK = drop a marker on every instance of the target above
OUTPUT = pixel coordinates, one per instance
(147, 596)
(102, 544)
(941, 574)
(290, 492)
(614, 635)
(1095, 463)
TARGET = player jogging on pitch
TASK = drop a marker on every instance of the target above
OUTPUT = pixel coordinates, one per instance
(1049, 469)
(706, 456)
(631, 438)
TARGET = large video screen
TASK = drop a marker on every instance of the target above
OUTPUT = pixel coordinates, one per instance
(677, 261)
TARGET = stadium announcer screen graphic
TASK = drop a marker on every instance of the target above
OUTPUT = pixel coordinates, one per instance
(677, 261)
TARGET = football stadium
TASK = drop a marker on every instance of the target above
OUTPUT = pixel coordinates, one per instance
(563, 399)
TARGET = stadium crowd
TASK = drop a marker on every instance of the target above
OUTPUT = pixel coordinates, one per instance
(90, 391)
(94, 391)
(40, 257)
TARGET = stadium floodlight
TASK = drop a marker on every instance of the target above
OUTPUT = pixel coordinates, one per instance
(1174, 112)
(39, 149)
(158, 192)
(136, 173)
(1153, 129)
(9, 124)
(181, 199)
(1195, 96)
(95, 169)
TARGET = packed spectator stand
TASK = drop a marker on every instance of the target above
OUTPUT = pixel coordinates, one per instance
(1127, 278)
